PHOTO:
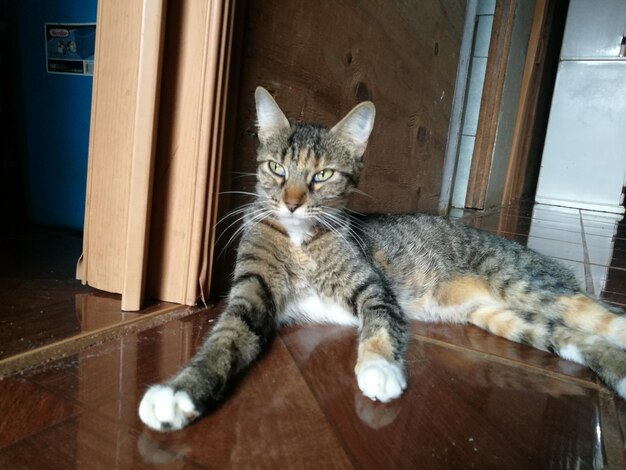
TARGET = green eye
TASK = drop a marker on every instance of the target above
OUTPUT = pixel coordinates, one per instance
(276, 168)
(322, 176)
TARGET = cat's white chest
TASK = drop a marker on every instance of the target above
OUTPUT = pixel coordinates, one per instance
(299, 229)
(312, 308)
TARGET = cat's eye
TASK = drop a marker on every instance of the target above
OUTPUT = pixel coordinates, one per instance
(276, 168)
(323, 175)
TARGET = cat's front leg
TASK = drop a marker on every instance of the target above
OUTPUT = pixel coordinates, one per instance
(236, 340)
(383, 339)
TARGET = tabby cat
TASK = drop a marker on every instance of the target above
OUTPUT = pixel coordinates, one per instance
(303, 258)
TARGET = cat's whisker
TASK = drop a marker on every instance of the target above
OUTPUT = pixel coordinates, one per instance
(334, 229)
(362, 193)
(345, 224)
(255, 218)
(243, 174)
(237, 211)
(331, 228)
(352, 211)
(246, 193)
(251, 213)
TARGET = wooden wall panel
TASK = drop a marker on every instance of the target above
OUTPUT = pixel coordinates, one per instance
(321, 58)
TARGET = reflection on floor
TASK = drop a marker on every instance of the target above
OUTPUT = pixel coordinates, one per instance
(474, 400)
(44, 311)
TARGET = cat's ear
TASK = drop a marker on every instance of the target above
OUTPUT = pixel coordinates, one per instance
(270, 119)
(357, 126)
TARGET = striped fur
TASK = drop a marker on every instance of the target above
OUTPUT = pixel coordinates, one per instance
(303, 258)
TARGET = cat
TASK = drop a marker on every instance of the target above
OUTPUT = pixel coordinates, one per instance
(303, 257)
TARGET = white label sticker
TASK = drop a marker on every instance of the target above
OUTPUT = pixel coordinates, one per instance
(70, 48)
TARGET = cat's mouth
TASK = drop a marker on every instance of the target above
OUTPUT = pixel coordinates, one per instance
(296, 218)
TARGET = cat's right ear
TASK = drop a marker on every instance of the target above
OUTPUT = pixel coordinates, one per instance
(357, 126)
(270, 119)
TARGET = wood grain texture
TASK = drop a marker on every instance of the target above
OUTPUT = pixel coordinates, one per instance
(189, 147)
(137, 196)
(113, 113)
(142, 157)
(321, 58)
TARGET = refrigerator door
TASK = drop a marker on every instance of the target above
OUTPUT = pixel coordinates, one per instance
(584, 158)
(594, 30)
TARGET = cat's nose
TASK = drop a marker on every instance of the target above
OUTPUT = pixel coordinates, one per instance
(292, 207)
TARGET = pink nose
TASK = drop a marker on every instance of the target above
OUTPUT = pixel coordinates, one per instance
(292, 207)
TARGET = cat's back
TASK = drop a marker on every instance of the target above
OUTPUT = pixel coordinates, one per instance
(418, 234)
(442, 248)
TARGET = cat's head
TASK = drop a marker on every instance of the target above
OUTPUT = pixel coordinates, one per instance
(305, 169)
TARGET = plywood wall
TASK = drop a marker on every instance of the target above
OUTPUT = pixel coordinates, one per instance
(320, 58)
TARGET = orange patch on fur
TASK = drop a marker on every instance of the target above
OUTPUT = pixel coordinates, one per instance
(381, 258)
(463, 290)
(378, 345)
(498, 320)
(583, 313)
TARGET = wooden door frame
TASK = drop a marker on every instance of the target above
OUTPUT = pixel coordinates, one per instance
(491, 102)
(515, 180)
(493, 87)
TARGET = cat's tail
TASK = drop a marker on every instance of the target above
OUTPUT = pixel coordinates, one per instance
(578, 328)
(587, 314)
(593, 333)
(604, 357)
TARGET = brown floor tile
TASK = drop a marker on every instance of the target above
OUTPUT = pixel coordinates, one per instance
(26, 408)
(270, 420)
(266, 421)
(479, 340)
(124, 366)
(614, 298)
(41, 302)
(461, 410)
(88, 441)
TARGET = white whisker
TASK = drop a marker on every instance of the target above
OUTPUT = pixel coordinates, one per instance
(250, 219)
(337, 217)
(363, 193)
(237, 211)
(334, 230)
(246, 193)
(251, 213)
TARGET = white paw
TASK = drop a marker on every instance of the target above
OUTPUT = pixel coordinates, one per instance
(381, 380)
(163, 410)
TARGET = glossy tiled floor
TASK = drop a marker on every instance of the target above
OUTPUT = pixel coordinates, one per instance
(42, 306)
(474, 400)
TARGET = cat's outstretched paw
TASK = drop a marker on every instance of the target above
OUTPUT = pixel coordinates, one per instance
(163, 409)
(381, 380)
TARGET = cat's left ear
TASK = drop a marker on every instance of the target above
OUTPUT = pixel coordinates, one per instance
(357, 126)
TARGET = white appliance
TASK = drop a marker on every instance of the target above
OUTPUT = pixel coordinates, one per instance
(584, 158)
